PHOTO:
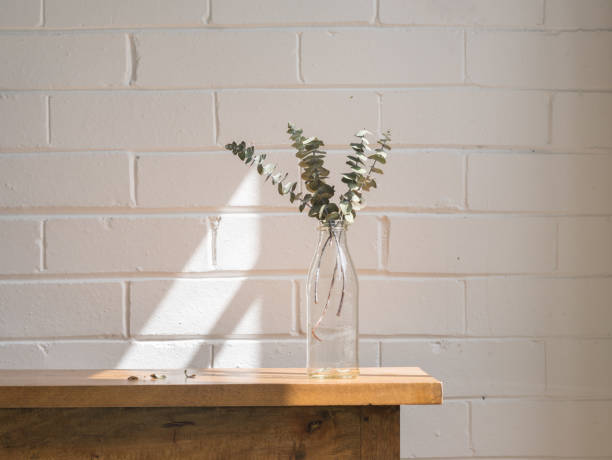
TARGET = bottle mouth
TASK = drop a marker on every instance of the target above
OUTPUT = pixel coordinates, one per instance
(334, 224)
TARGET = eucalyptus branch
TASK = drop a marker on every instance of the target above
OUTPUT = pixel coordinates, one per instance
(318, 192)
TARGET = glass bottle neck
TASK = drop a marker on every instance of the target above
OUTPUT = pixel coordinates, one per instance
(333, 233)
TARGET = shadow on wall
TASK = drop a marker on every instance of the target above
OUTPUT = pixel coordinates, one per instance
(176, 318)
(201, 312)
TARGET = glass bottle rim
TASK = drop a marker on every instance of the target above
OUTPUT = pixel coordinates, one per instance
(334, 224)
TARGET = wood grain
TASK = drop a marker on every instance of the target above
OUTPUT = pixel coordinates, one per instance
(340, 432)
(380, 432)
(215, 388)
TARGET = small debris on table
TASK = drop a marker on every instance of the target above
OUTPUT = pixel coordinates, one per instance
(132, 377)
(189, 376)
(158, 377)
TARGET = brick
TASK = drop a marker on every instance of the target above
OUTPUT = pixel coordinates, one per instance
(432, 180)
(175, 354)
(540, 59)
(542, 428)
(106, 354)
(23, 121)
(554, 183)
(131, 120)
(411, 307)
(56, 179)
(119, 13)
(125, 244)
(239, 12)
(21, 356)
(60, 309)
(435, 431)
(248, 242)
(466, 116)
(471, 245)
(575, 14)
(539, 307)
(20, 13)
(420, 307)
(474, 367)
(248, 58)
(20, 248)
(261, 117)
(579, 367)
(585, 246)
(582, 120)
(211, 307)
(55, 61)
(277, 353)
(185, 181)
(329, 57)
(462, 12)
(428, 180)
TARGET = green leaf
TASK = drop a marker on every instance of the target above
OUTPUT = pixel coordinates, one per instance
(378, 157)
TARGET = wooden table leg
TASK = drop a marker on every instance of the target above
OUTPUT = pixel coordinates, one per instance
(380, 432)
(311, 432)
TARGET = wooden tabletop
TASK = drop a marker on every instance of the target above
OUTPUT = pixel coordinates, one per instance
(214, 388)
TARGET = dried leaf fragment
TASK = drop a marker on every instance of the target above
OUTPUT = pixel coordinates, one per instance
(189, 376)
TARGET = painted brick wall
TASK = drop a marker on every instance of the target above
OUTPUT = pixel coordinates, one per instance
(128, 238)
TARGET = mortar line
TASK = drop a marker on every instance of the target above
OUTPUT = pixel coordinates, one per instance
(384, 229)
(471, 440)
(297, 339)
(466, 204)
(213, 222)
(208, 18)
(359, 88)
(300, 71)
(169, 213)
(465, 72)
(127, 309)
(465, 308)
(43, 13)
(379, 114)
(377, 13)
(292, 27)
(546, 389)
(133, 167)
(133, 61)
(295, 308)
(557, 231)
(373, 275)
(43, 245)
(215, 119)
(551, 101)
(48, 109)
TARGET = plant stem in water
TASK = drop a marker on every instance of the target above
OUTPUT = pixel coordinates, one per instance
(342, 272)
(316, 289)
(324, 311)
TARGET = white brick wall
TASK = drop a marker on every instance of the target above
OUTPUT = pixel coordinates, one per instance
(485, 256)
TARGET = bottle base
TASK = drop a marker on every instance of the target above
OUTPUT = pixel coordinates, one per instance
(333, 373)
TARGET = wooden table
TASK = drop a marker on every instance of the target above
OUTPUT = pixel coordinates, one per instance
(218, 413)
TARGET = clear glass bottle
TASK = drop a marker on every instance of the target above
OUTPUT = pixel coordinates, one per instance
(332, 297)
